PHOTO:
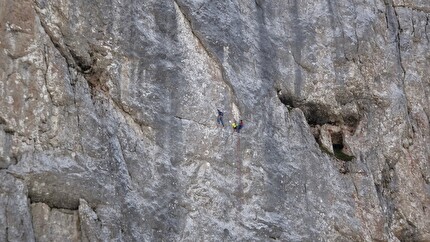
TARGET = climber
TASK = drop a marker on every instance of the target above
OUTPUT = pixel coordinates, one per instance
(234, 125)
(219, 118)
(240, 126)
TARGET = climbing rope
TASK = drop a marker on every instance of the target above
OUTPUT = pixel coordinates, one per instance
(239, 173)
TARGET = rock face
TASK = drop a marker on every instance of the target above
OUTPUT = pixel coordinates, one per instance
(108, 120)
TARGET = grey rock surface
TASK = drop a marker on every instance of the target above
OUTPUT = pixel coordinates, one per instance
(15, 216)
(108, 120)
(55, 224)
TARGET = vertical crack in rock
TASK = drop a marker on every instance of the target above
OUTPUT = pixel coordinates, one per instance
(6, 133)
(46, 60)
(76, 104)
(7, 219)
(128, 116)
(125, 164)
(398, 31)
(208, 52)
(258, 4)
(426, 29)
(70, 53)
(393, 25)
(70, 66)
(190, 25)
(72, 59)
(385, 193)
(51, 38)
(88, 74)
(398, 40)
(386, 15)
(307, 215)
(358, 61)
(298, 43)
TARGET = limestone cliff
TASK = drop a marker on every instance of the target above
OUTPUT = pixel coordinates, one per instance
(108, 120)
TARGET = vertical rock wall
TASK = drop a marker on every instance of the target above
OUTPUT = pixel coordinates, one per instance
(108, 120)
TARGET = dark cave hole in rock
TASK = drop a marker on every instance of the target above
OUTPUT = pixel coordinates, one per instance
(285, 99)
(81, 62)
(317, 115)
(337, 140)
(339, 147)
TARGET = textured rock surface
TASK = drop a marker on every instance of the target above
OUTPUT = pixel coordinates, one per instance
(55, 224)
(108, 109)
(15, 216)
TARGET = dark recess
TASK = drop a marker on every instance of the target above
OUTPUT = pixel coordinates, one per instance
(319, 114)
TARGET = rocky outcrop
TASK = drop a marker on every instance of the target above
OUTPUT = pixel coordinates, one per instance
(15, 216)
(54, 224)
(108, 120)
